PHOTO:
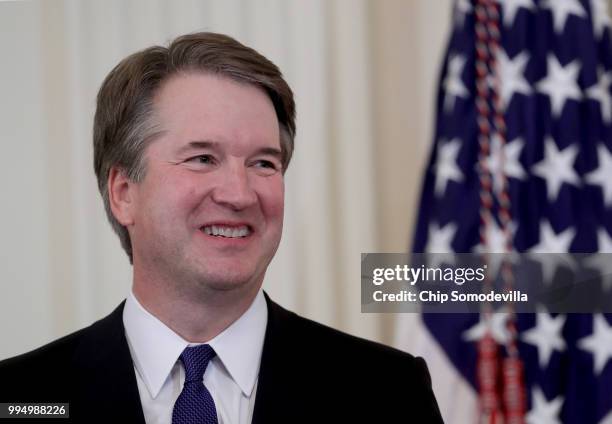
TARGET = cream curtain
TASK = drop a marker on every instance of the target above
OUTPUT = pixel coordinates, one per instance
(364, 75)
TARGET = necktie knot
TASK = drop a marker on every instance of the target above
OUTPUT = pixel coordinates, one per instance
(195, 360)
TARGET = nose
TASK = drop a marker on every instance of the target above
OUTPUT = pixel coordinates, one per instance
(234, 189)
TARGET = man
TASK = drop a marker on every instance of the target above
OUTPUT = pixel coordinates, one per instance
(191, 143)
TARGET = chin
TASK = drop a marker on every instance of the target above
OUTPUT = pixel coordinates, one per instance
(227, 281)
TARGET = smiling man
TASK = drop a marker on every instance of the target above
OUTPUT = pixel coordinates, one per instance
(191, 142)
(207, 217)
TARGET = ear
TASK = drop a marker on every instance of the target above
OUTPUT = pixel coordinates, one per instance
(121, 196)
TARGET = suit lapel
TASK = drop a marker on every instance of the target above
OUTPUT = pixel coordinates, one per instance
(106, 376)
(273, 397)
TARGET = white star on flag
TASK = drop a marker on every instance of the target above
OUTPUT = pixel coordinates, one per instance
(560, 84)
(446, 167)
(600, 92)
(543, 411)
(511, 76)
(557, 167)
(604, 241)
(561, 9)
(462, 8)
(601, 263)
(510, 7)
(439, 242)
(599, 343)
(546, 336)
(600, 16)
(607, 419)
(453, 84)
(440, 238)
(601, 175)
(505, 161)
(495, 325)
(551, 243)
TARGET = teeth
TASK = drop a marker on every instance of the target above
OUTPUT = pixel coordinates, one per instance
(230, 232)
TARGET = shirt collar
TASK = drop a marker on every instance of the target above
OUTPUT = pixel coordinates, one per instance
(155, 348)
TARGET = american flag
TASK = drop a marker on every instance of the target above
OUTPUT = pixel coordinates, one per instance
(546, 108)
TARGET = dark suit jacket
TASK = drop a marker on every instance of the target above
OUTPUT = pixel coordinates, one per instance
(309, 373)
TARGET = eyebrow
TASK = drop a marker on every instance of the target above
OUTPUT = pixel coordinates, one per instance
(206, 144)
(192, 145)
(272, 151)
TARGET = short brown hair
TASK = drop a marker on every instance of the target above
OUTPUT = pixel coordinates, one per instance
(124, 124)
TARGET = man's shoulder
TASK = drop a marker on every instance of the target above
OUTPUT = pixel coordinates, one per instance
(314, 332)
(341, 350)
(61, 350)
(55, 362)
(50, 366)
(353, 378)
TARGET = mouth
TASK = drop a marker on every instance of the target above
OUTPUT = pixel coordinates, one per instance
(227, 231)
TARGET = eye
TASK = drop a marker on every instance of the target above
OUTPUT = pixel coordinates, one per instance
(202, 162)
(266, 167)
(265, 164)
(205, 159)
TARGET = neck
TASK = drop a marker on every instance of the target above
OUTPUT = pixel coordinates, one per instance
(196, 317)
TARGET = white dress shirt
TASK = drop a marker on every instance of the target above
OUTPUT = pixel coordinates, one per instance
(231, 376)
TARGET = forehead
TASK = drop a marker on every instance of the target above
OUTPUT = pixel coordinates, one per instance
(198, 106)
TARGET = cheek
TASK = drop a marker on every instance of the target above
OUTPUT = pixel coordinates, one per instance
(272, 197)
(167, 199)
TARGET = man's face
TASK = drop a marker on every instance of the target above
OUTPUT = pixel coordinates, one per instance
(209, 212)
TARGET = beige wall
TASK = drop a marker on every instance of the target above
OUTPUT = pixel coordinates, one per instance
(408, 41)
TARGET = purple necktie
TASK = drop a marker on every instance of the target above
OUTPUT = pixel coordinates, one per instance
(195, 404)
